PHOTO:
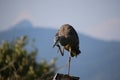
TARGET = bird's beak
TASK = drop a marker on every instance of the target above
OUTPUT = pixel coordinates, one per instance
(54, 45)
(56, 42)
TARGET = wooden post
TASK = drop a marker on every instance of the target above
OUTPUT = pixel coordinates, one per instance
(59, 76)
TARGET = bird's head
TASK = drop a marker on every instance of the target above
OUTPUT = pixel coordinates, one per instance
(60, 40)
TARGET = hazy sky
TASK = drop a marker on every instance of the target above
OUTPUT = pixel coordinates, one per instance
(97, 18)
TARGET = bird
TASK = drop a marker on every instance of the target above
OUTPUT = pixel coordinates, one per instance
(67, 38)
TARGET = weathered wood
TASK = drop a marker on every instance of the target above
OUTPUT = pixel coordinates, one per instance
(59, 76)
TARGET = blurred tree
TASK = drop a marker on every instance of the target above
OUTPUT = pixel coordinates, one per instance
(17, 63)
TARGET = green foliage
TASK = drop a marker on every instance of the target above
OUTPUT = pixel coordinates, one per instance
(17, 63)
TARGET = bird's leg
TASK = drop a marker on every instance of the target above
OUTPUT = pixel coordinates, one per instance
(58, 48)
(69, 65)
(69, 60)
(61, 51)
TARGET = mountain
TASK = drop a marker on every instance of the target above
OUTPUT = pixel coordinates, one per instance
(99, 59)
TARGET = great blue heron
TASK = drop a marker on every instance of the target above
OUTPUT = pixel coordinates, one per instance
(69, 40)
